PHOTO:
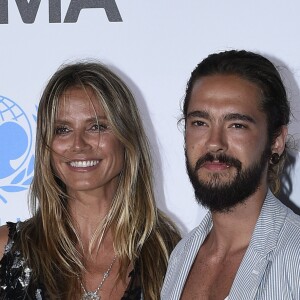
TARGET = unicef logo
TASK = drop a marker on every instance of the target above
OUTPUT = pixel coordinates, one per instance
(16, 158)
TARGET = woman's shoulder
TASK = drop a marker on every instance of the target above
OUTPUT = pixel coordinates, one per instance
(4, 232)
(8, 233)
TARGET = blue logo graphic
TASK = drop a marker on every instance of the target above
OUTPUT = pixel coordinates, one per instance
(16, 138)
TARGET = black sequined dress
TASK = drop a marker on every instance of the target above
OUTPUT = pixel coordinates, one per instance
(15, 275)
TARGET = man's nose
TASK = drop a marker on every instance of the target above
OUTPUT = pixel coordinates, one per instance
(216, 140)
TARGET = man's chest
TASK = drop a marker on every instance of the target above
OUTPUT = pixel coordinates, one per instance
(211, 277)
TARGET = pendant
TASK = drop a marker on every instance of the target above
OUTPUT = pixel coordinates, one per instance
(90, 296)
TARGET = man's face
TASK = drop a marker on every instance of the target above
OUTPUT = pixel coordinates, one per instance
(227, 146)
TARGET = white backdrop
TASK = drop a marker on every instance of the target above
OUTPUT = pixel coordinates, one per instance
(153, 45)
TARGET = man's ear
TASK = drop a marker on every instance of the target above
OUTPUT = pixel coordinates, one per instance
(279, 143)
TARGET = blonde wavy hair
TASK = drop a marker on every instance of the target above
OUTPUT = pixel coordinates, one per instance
(143, 235)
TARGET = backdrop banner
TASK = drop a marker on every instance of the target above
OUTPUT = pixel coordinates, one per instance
(154, 46)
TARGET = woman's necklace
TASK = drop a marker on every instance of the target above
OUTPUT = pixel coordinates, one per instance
(93, 295)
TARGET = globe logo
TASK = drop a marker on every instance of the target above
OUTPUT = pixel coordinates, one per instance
(15, 148)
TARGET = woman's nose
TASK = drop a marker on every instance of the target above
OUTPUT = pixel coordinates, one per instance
(80, 142)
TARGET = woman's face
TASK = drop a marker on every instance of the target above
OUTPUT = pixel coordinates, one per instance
(86, 155)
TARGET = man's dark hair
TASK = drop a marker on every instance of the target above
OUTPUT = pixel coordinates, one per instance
(260, 71)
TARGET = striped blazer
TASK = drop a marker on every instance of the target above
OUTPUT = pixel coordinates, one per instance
(270, 269)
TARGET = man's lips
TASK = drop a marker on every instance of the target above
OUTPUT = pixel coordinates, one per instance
(220, 162)
(215, 165)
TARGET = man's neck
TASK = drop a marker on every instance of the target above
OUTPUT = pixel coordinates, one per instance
(233, 230)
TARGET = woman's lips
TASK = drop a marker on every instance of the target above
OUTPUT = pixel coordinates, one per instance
(83, 163)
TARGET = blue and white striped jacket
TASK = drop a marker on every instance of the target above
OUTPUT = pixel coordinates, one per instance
(270, 269)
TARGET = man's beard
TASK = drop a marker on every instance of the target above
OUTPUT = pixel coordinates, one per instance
(222, 197)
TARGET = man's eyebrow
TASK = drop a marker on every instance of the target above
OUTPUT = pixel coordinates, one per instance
(239, 117)
(198, 114)
(227, 117)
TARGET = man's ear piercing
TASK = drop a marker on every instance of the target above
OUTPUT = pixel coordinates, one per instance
(275, 158)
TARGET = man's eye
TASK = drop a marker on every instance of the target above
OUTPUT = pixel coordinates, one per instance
(238, 126)
(198, 123)
(61, 130)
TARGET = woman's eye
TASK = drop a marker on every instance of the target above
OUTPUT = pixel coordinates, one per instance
(61, 130)
(99, 127)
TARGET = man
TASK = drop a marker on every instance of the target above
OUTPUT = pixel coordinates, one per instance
(236, 114)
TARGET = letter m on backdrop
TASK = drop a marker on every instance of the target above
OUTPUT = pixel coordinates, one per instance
(28, 10)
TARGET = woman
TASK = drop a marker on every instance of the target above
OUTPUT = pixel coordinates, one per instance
(95, 230)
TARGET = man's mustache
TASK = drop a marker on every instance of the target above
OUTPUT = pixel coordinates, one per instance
(222, 158)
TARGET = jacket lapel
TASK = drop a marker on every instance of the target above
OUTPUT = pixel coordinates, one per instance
(184, 259)
(258, 257)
